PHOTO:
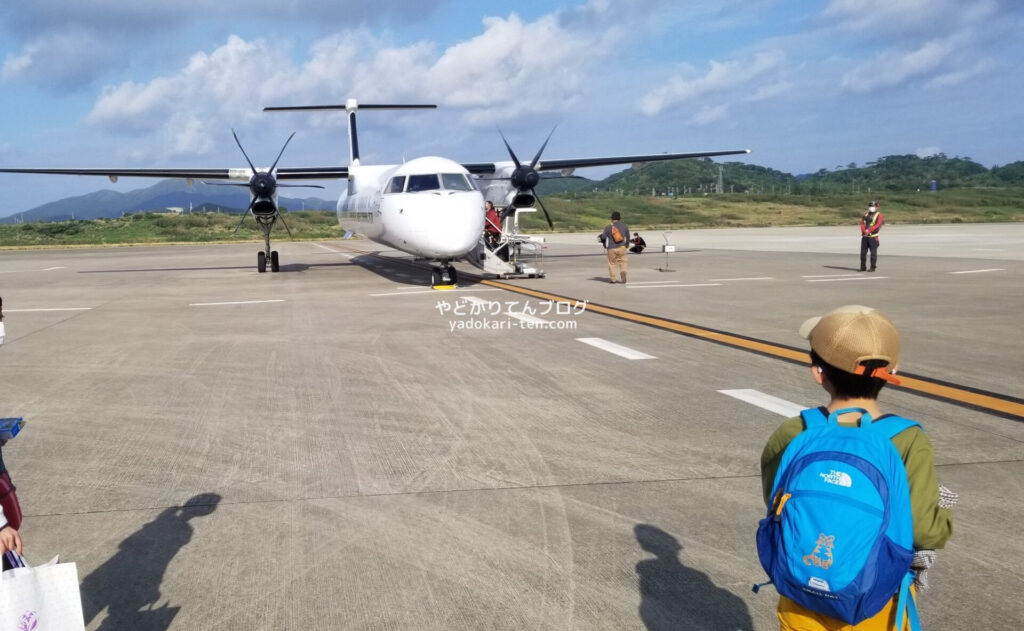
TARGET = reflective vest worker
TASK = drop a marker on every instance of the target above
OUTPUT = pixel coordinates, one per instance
(870, 226)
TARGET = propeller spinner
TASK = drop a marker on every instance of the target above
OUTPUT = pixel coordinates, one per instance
(525, 177)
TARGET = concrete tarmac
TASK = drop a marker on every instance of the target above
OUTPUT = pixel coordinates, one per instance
(336, 446)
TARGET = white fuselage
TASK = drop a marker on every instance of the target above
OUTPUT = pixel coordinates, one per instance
(427, 207)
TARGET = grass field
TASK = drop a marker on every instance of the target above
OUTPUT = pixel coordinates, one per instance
(570, 213)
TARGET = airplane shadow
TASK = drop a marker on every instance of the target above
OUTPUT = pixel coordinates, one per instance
(673, 596)
(128, 584)
(842, 267)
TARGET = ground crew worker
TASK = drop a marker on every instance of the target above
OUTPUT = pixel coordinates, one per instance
(615, 238)
(492, 225)
(870, 226)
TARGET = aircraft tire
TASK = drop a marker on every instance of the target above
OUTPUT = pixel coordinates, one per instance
(261, 262)
(435, 277)
(453, 275)
(274, 264)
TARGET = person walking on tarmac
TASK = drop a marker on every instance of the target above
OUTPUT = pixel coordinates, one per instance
(870, 226)
(615, 238)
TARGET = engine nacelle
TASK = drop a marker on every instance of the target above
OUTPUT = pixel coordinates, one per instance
(519, 199)
(265, 207)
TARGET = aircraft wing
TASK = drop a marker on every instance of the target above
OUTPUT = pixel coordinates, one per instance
(292, 173)
(484, 168)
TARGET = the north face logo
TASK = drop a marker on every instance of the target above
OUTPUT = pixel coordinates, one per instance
(839, 478)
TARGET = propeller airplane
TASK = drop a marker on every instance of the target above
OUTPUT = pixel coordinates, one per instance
(429, 207)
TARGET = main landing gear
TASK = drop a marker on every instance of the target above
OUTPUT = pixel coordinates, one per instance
(443, 276)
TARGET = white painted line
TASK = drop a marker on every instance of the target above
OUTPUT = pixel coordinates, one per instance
(237, 302)
(829, 275)
(29, 271)
(767, 402)
(335, 251)
(979, 271)
(628, 286)
(833, 280)
(989, 250)
(616, 349)
(758, 278)
(60, 309)
(655, 282)
(430, 291)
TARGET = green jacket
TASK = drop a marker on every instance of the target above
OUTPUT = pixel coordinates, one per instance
(933, 526)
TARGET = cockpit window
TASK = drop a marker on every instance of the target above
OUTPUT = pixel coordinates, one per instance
(419, 183)
(456, 182)
(397, 184)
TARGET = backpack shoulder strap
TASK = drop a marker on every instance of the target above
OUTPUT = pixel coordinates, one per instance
(892, 425)
(813, 417)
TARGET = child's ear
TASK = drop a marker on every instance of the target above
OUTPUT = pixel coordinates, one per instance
(818, 375)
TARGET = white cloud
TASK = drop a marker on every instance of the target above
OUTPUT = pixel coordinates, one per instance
(58, 61)
(723, 79)
(709, 114)
(890, 16)
(511, 69)
(927, 152)
(895, 68)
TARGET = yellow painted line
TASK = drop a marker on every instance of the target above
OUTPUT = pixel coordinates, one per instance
(986, 401)
(990, 402)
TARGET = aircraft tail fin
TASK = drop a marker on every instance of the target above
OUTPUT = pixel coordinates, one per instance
(350, 106)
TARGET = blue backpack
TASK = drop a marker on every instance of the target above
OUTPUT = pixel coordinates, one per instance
(838, 538)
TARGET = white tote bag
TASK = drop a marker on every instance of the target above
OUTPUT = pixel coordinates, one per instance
(43, 598)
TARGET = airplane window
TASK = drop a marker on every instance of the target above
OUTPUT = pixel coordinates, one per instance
(423, 183)
(397, 184)
(456, 182)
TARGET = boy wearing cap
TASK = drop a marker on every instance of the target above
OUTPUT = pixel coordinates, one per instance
(855, 351)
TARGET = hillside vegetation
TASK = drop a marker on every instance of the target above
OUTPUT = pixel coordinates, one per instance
(668, 195)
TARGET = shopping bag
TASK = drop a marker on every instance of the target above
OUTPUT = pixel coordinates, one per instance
(42, 598)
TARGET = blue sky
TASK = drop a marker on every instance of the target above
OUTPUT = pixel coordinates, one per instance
(805, 85)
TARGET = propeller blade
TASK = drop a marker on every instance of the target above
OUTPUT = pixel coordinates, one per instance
(281, 217)
(239, 143)
(274, 166)
(536, 158)
(225, 184)
(510, 152)
(299, 186)
(245, 214)
(537, 197)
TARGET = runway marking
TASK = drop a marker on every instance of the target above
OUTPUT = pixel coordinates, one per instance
(781, 407)
(830, 275)
(979, 271)
(428, 291)
(616, 349)
(629, 286)
(655, 282)
(55, 309)
(833, 280)
(29, 271)
(727, 279)
(992, 402)
(236, 302)
(345, 254)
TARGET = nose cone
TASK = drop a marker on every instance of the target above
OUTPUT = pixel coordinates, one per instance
(450, 224)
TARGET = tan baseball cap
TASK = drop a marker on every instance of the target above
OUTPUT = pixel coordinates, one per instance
(853, 334)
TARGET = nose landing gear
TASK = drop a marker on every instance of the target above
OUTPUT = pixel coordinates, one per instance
(443, 276)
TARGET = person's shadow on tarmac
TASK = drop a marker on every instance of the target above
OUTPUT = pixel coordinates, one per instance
(129, 582)
(673, 596)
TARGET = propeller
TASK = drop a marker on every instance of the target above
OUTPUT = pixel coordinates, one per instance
(263, 184)
(525, 176)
